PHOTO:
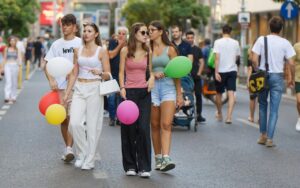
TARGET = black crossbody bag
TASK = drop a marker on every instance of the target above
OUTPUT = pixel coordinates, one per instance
(258, 80)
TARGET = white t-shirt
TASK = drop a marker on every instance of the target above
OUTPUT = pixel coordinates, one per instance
(278, 50)
(20, 46)
(228, 50)
(63, 48)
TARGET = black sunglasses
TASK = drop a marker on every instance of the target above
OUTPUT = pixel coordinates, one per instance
(89, 24)
(144, 33)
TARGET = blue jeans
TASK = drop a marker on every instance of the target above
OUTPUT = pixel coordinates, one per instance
(275, 88)
(113, 101)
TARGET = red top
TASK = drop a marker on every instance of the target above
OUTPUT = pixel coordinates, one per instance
(2, 47)
(135, 73)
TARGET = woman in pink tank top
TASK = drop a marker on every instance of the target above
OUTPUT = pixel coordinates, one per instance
(134, 63)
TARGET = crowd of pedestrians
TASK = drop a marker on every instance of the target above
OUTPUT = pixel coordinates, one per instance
(138, 64)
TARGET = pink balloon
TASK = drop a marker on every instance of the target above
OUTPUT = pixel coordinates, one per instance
(127, 112)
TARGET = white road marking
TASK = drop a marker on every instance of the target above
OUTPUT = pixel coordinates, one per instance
(2, 112)
(5, 107)
(31, 74)
(245, 121)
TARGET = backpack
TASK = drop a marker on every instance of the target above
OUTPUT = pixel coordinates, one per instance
(211, 59)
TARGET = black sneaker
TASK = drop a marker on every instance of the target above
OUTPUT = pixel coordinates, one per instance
(201, 119)
(111, 122)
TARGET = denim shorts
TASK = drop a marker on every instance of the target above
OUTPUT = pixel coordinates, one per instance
(164, 90)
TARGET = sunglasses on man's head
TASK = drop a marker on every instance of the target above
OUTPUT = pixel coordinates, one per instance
(144, 33)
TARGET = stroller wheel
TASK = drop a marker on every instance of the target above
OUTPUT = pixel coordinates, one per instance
(189, 127)
(195, 126)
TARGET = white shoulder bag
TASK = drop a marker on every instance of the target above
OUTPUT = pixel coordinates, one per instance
(109, 87)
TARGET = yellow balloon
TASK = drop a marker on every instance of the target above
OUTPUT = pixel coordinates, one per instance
(55, 114)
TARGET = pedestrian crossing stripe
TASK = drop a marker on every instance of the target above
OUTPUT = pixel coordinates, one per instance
(2, 112)
(5, 107)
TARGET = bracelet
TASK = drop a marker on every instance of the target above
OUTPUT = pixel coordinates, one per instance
(122, 87)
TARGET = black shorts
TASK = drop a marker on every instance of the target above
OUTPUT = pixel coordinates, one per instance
(228, 82)
(297, 87)
(253, 96)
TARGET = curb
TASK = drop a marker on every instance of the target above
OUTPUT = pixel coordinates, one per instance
(285, 96)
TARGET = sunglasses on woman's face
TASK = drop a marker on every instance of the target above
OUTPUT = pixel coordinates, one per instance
(144, 33)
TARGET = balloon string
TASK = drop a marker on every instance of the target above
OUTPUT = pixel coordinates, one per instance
(62, 83)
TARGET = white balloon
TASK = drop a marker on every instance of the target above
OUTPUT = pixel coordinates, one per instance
(59, 67)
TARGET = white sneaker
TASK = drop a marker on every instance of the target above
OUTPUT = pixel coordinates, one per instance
(131, 172)
(298, 125)
(69, 155)
(145, 174)
(78, 163)
(87, 167)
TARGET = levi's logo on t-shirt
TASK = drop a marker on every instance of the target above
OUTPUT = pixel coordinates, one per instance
(70, 50)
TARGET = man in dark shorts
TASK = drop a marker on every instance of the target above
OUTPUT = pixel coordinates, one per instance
(227, 51)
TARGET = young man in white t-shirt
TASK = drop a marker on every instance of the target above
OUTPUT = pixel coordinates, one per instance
(279, 51)
(64, 47)
(227, 51)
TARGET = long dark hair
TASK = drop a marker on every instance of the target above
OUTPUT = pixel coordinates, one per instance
(9, 45)
(95, 27)
(132, 40)
(164, 37)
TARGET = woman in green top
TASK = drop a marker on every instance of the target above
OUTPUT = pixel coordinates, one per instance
(166, 95)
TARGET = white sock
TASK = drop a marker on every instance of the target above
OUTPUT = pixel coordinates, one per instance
(165, 156)
(158, 156)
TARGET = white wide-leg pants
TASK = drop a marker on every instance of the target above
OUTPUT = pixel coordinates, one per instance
(11, 71)
(86, 103)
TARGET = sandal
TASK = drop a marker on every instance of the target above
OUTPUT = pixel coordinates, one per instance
(219, 116)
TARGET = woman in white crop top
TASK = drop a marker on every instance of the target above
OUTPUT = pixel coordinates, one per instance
(91, 64)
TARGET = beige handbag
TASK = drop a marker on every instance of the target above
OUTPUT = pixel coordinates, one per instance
(109, 87)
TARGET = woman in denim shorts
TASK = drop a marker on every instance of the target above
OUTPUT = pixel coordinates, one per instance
(166, 94)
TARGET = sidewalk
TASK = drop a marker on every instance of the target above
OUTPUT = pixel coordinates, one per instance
(284, 95)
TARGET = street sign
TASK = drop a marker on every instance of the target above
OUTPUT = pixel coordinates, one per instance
(244, 17)
(289, 10)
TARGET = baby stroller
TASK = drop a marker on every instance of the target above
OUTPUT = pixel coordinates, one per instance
(184, 116)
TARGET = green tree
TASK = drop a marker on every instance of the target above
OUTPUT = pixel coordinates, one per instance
(170, 12)
(16, 15)
(140, 11)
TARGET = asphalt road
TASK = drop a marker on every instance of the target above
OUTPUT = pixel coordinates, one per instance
(218, 155)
